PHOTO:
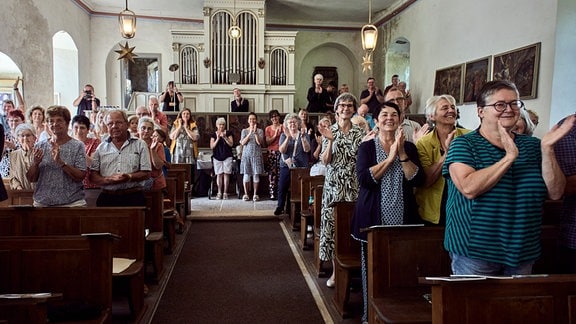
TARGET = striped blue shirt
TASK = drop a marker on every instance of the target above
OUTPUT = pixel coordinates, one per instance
(503, 224)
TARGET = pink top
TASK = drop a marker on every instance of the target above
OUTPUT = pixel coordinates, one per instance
(157, 174)
(269, 132)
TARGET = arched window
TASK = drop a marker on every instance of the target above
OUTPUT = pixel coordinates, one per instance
(233, 60)
(189, 65)
(278, 67)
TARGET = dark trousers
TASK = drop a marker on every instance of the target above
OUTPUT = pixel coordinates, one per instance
(124, 200)
(283, 186)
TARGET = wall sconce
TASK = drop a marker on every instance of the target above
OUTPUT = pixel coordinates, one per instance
(261, 63)
(127, 22)
(207, 62)
(234, 31)
(369, 39)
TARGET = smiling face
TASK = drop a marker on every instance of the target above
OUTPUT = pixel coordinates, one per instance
(26, 138)
(445, 113)
(146, 130)
(491, 116)
(252, 120)
(58, 125)
(37, 116)
(388, 119)
(345, 109)
(80, 131)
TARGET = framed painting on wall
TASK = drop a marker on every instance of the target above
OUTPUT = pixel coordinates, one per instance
(476, 74)
(449, 81)
(521, 67)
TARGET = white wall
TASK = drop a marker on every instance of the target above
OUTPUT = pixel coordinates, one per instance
(26, 36)
(564, 82)
(443, 33)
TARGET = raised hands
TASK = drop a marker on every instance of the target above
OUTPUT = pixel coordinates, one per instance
(38, 155)
(557, 132)
(507, 142)
(418, 134)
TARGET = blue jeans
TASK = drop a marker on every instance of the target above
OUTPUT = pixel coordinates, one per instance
(283, 186)
(462, 265)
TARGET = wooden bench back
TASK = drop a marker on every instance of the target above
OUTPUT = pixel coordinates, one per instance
(126, 222)
(307, 183)
(344, 244)
(154, 210)
(18, 197)
(317, 191)
(528, 300)
(397, 256)
(181, 178)
(78, 267)
(187, 168)
(295, 175)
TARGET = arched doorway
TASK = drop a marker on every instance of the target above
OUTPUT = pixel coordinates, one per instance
(9, 73)
(65, 65)
(398, 61)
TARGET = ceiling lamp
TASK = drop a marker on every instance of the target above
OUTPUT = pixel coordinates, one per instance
(234, 31)
(127, 22)
(369, 40)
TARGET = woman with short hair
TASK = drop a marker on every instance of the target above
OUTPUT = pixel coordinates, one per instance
(80, 129)
(59, 165)
(294, 147)
(221, 142)
(21, 158)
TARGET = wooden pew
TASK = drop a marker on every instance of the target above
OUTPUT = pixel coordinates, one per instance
(346, 254)
(170, 215)
(18, 197)
(528, 300)
(295, 175)
(75, 268)
(154, 223)
(317, 209)
(397, 256)
(188, 183)
(125, 222)
(307, 183)
(182, 194)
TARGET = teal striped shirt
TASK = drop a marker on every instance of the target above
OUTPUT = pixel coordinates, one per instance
(503, 224)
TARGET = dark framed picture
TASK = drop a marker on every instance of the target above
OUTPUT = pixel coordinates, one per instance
(521, 67)
(449, 81)
(476, 74)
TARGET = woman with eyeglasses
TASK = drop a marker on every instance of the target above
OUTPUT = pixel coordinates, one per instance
(339, 147)
(15, 118)
(294, 148)
(21, 159)
(432, 148)
(272, 133)
(59, 165)
(497, 182)
(146, 128)
(388, 170)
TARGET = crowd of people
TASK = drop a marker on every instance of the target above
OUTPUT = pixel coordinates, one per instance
(486, 186)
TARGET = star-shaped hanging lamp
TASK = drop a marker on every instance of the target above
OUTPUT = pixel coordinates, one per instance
(126, 52)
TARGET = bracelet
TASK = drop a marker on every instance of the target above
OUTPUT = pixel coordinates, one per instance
(406, 160)
(63, 165)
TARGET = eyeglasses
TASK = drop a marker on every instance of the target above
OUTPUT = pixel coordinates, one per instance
(346, 105)
(399, 99)
(500, 106)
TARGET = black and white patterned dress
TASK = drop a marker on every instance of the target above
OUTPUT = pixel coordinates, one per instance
(340, 183)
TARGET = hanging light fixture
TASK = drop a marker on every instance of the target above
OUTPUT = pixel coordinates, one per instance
(127, 22)
(234, 31)
(369, 40)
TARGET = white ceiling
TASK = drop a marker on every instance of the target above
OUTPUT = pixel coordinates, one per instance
(281, 13)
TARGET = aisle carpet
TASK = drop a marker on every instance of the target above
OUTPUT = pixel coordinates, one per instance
(236, 272)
